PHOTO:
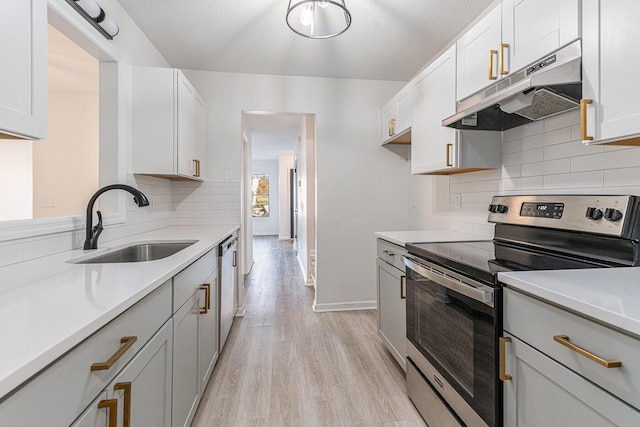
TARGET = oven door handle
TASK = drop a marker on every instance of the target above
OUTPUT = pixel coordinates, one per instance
(478, 292)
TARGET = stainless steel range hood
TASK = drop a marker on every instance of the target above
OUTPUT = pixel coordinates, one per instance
(549, 86)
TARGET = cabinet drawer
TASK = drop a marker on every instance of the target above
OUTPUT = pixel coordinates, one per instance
(604, 342)
(191, 278)
(391, 253)
(62, 391)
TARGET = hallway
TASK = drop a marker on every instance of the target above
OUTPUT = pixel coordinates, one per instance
(284, 365)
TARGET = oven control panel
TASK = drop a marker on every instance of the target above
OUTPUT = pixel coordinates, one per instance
(593, 214)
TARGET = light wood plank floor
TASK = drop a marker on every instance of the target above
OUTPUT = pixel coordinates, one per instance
(284, 365)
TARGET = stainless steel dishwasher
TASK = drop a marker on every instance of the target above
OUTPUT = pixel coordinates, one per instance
(228, 259)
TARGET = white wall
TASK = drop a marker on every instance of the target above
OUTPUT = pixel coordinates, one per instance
(545, 157)
(361, 186)
(285, 163)
(268, 226)
(16, 174)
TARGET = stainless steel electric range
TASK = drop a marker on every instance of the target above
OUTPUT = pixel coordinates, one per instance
(454, 301)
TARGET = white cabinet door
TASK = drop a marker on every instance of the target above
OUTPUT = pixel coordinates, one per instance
(199, 134)
(143, 388)
(186, 384)
(611, 39)
(392, 310)
(534, 28)
(185, 126)
(396, 118)
(433, 98)
(98, 413)
(542, 392)
(166, 119)
(23, 73)
(477, 54)
(403, 110)
(209, 331)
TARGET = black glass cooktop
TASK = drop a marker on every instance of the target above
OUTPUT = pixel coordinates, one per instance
(484, 259)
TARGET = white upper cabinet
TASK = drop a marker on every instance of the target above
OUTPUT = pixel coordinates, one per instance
(610, 65)
(477, 54)
(23, 73)
(434, 97)
(396, 118)
(513, 35)
(168, 124)
(534, 28)
(436, 149)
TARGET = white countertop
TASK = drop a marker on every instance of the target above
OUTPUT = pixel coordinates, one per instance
(47, 305)
(611, 295)
(427, 236)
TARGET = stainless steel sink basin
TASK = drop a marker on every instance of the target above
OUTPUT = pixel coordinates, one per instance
(139, 252)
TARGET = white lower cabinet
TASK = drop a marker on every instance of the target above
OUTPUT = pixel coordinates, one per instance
(549, 384)
(195, 335)
(391, 299)
(140, 395)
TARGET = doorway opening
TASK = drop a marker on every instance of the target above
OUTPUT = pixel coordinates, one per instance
(279, 159)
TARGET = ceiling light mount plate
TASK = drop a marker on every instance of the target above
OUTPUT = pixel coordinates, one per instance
(318, 19)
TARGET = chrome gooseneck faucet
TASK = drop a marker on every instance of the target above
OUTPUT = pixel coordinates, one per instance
(92, 233)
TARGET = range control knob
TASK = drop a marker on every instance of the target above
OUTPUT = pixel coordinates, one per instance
(612, 215)
(593, 213)
(493, 208)
(502, 208)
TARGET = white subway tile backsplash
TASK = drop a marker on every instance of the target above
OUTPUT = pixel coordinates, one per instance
(556, 136)
(622, 177)
(510, 172)
(532, 128)
(522, 157)
(546, 168)
(574, 180)
(512, 146)
(626, 158)
(530, 183)
(562, 120)
(570, 149)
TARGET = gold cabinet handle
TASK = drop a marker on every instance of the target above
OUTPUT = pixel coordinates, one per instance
(127, 343)
(393, 127)
(388, 253)
(197, 163)
(207, 297)
(503, 376)
(112, 406)
(501, 61)
(564, 340)
(583, 119)
(403, 295)
(492, 53)
(126, 388)
(449, 149)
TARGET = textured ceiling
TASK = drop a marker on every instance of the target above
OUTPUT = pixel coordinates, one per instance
(272, 134)
(388, 39)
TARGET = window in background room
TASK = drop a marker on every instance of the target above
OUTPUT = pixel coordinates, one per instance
(260, 195)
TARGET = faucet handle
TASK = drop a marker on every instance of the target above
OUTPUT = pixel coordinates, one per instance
(99, 224)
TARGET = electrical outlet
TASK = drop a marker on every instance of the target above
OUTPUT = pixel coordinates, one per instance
(458, 200)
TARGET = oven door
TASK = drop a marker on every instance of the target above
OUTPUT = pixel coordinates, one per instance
(452, 331)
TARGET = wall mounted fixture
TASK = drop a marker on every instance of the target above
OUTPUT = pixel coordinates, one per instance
(318, 19)
(94, 14)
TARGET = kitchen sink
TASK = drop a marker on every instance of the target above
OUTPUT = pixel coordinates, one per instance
(138, 252)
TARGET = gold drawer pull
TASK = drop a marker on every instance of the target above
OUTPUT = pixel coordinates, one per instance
(207, 297)
(126, 387)
(583, 119)
(503, 46)
(449, 149)
(403, 294)
(197, 163)
(564, 340)
(127, 343)
(112, 406)
(492, 53)
(503, 375)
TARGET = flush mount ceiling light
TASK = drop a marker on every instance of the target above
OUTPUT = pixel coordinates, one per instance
(318, 19)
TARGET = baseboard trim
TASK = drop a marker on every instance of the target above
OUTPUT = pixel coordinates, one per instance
(345, 306)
